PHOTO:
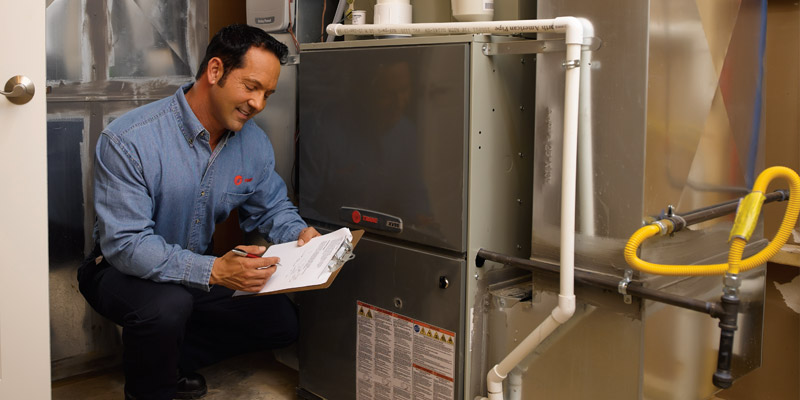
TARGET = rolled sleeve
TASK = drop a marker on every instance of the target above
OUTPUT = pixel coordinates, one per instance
(197, 272)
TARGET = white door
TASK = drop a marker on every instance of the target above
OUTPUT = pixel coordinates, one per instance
(24, 326)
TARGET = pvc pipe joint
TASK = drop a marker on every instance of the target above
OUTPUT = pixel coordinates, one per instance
(494, 383)
(572, 27)
(565, 309)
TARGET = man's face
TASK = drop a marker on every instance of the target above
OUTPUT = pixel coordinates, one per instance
(245, 90)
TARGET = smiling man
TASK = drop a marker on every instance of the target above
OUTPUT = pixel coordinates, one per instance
(165, 174)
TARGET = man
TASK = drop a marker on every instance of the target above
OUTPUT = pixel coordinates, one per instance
(165, 174)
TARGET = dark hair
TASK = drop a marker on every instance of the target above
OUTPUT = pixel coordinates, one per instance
(232, 42)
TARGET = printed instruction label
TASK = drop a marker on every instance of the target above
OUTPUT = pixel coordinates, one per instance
(401, 358)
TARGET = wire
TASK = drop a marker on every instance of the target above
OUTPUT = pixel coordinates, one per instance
(756, 127)
(289, 28)
(322, 22)
(294, 38)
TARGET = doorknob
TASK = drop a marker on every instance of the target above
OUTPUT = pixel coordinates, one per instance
(19, 90)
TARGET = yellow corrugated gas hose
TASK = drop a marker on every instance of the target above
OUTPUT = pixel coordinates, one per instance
(746, 220)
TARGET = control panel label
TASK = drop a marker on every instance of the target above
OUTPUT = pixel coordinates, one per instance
(398, 357)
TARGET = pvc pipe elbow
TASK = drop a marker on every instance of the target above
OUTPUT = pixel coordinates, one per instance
(494, 382)
(565, 309)
(332, 29)
(588, 27)
(574, 29)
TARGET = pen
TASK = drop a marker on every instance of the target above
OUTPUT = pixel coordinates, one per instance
(242, 253)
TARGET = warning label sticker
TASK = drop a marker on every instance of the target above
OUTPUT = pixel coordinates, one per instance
(401, 358)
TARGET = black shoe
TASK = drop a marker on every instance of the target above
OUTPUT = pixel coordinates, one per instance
(191, 386)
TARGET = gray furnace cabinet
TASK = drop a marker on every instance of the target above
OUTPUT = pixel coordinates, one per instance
(426, 144)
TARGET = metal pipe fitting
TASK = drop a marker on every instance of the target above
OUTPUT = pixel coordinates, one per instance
(708, 213)
(722, 377)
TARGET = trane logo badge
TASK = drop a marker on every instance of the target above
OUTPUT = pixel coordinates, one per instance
(265, 20)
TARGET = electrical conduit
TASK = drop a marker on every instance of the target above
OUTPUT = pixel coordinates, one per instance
(573, 30)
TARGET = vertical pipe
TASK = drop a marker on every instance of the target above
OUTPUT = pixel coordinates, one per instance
(573, 29)
(585, 147)
(722, 377)
(337, 16)
(755, 129)
(568, 169)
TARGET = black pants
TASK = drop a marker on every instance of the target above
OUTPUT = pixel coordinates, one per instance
(167, 326)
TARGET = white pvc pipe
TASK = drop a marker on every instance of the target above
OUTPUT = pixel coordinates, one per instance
(585, 147)
(515, 384)
(557, 25)
(337, 16)
(573, 30)
(495, 377)
(566, 298)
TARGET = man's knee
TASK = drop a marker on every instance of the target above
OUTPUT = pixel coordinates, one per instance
(165, 313)
(134, 302)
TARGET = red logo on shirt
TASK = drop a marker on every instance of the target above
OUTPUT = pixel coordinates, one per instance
(238, 180)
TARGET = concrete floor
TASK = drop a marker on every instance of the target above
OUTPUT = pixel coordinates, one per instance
(254, 376)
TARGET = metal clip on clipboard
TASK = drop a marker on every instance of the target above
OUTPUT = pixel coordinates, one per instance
(343, 255)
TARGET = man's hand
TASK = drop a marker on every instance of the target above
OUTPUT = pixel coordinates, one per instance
(243, 273)
(306, 235)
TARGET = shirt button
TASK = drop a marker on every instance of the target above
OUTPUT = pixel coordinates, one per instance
(197, 221)
(203, 193)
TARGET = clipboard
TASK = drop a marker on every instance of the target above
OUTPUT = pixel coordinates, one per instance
(342, 255)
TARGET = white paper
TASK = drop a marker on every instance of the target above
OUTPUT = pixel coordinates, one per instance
(305, 265)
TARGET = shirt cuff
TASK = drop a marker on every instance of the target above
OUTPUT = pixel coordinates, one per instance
(198, 271)
(286, 233)
(294, 232)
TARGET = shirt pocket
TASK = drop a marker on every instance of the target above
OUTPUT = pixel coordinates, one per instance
(234, 200)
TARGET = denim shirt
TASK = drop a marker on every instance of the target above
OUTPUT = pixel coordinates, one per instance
(159, 190)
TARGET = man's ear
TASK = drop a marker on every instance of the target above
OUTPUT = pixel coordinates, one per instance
(214, 70)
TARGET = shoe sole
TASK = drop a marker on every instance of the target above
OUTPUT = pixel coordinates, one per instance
(191, 395)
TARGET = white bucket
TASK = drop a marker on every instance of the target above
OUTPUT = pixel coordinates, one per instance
(392, 12)
(472, 10)
(359, 17)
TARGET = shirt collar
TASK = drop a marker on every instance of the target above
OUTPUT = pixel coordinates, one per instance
(188, 122)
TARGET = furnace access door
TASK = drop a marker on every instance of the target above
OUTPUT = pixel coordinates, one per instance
(383, 140)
